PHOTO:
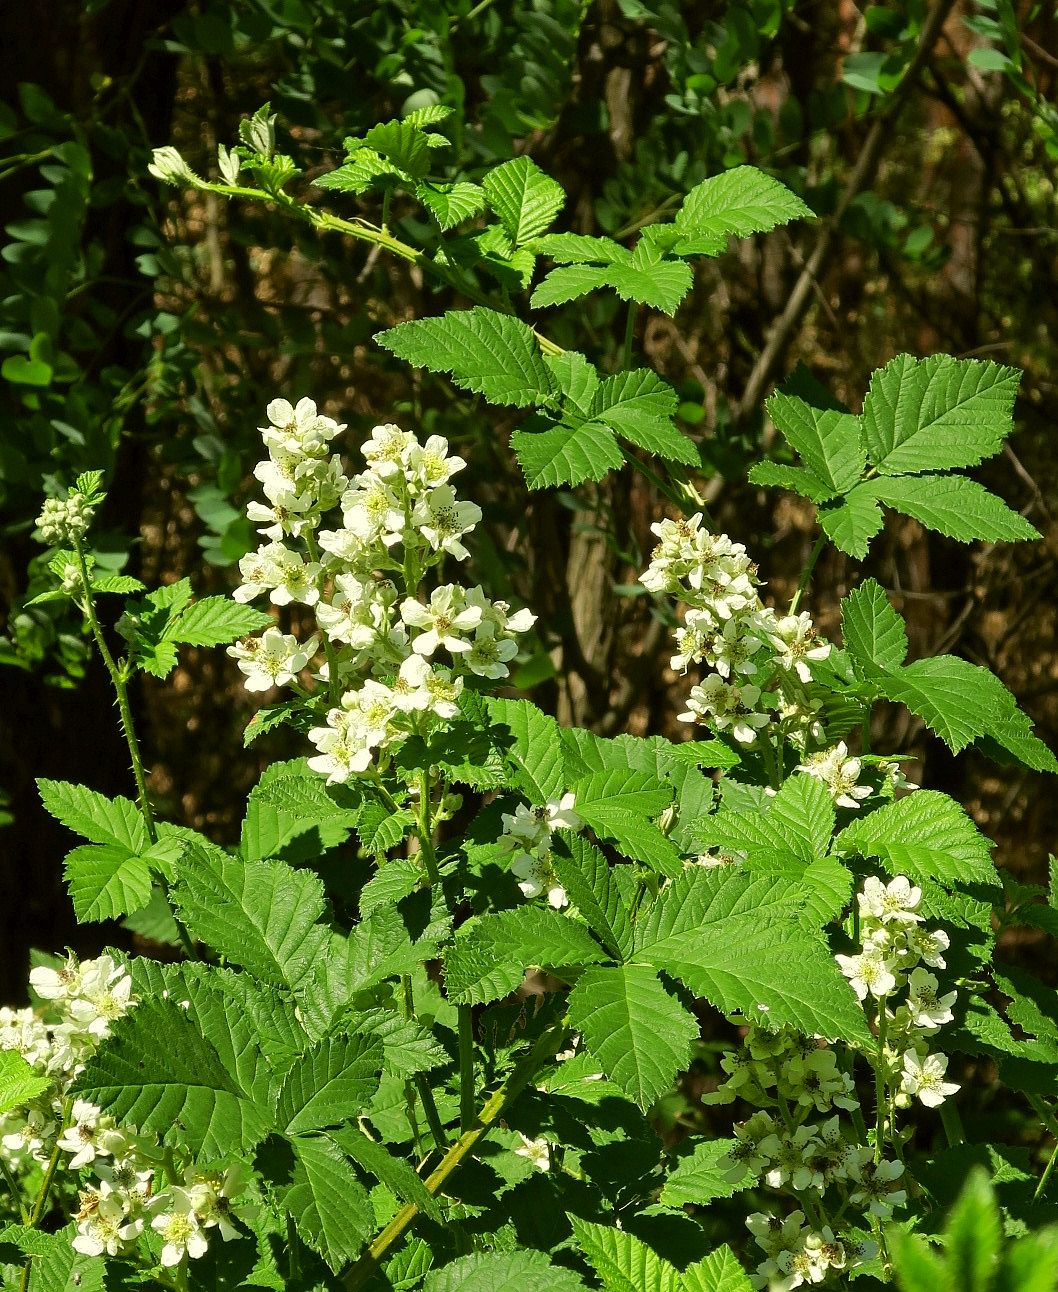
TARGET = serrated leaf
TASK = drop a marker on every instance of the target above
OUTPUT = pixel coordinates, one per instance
(359, 173)
(566, 454)
(116, 583)
(215, 621)
(953, 505)
(925, 835)
(394, 1172)
(581, 249)
(93, 816)
(329, 1206)
(543, 766)
(797, 825)
(380, 828)
(451, 204)
(829, 443)
(639, 406)
(623, 1262)
(734, 940)
(949, 694)
(661, 284)
(617, 790)
(567, 283)
(852, 523)
(329, 1084)
(874, 633)
(486, 352)
(736, 203)
(403, 145)
(720, 1271)
(578, 380)
(585, 874)
(776, 475)
(407, 1046)
(106, 881)
(639, 1034)
(60, 1269)
(937, 413)
(430, 114)
(525, 200)
(19, 1083)
(261, 915)
(696, 1178)
(488, 959)
(179, 1089)
(519, 1271)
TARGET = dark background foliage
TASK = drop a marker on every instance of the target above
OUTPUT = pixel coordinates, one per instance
(143, 330)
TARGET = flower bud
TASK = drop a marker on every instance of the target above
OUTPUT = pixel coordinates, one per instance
(168, 166)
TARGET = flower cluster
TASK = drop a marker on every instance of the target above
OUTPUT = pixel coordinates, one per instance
(761, 660)
(895, 949)
(64, 520)
(526, 838)
(396, 656)
(803, 1139)
(129, 1188)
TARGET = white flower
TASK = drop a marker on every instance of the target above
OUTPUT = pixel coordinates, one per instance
(929, 946)
(868, 972)
(876, 1183)
(56, 984)
(442, 520)
(895, 902)
(84, 1136)
(726, 708)
(443, 623)
(839, 773)
(429, 465)
(179, 1228)
(104, 994)
(560, 814)
(372, 511)
(420, 686)
(273, 659)
(298, 429)
(212, 1195)
(925, 1008)
(795, 642)
(925, 1078)
(536, 1151)
(103, 1226)
(389, 449)
(63, 520)
(535, 876)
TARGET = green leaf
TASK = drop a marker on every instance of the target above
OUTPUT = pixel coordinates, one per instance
(828, 442)
(798, 824)
(21, 370)
(381, 829)
(937, 413)
(578, 380)
(329, 1084)
(954, 698)
(734, 939)
(523, 197)
(407, 1046)
(639, 1034)
(566, 455)
(925, 835)
(798, 480)
(974, 1235)
(518, 1271)
(720, 1271)
(430, 114)
(639, 406)
(359, 173)
(215, 621)
(329, 1206)
(953, 505)
(99, 819)
(543, 767)
(402, 144)
(852, 524)
(623, 1262)
(261, 915)
(489, 957)
(394, 1172)
(580, 249)
(60, 1269)
(486, 352)
(451, 204)
(661, 284)
(874, 633)
(737, 203)
(106, 881)
(156, 1072)
(567, 283)
(586, 876)
(116, 583)
(291, 815)
(695, 1177)
(19, 1083)
(601, 796)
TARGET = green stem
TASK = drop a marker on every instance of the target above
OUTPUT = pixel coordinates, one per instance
(364, 232)
(880, 1100)
(13, 1188)
(328, 646)
(425, 828)
(547, 1045)
(1046, 1174)
(952, 1123)
(120, 684)
(806, 574)
(39, 1206)
(422, 1086)
(630, 335)
(466, 1068)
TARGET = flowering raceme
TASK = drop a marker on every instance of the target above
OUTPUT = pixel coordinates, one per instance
(399, 645)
